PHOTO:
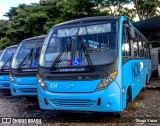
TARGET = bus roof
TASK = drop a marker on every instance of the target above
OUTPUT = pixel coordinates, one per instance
(34, 38)
(12, 46)
(96, 18)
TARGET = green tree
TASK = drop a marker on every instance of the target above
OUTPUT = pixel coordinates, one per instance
(13, 10)
(3, 28)
(147, 8)
(37, 18)
(47, 2)
(4, 42)
(116, 7)
(31, 20)
(72, 9)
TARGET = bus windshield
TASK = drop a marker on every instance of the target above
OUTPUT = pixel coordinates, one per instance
(1, 52)
(27, 55)
(5, 58)
(81, 45)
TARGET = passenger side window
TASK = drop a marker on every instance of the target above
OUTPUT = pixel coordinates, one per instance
(126, 48)
(141, 47)
(146, 50)
(135, 47)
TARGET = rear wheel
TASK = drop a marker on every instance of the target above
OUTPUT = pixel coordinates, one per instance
(144, 87)
(147, 81)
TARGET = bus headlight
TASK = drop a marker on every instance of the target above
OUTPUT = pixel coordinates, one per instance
(106, 81)
(42, 83)
(11, 78)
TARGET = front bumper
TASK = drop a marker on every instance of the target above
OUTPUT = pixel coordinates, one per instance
(23, 90)
(24, 86)
(4, 82)
(107, 100)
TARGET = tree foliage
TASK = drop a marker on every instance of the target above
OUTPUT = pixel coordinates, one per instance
(147, 8)
(4, 42)
(30, 20)
(37, 18)
(116, 7)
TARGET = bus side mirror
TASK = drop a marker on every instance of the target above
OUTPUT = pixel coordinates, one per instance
(132, 33)
(150, 45)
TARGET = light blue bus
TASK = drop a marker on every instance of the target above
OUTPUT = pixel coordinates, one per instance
(92, 64)
(5, 62)
(1, 52)
(23, 79)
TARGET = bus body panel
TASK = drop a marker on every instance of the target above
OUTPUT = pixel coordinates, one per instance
(24, 80)
(135, 74)
(109, 100)
(24, 86)
(72, 86)
(4, 82)
(129, 71)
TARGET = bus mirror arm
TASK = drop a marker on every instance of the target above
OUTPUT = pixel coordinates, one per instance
(130, 30)
(132, 33)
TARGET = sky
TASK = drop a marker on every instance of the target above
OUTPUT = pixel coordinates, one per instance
(6, 4)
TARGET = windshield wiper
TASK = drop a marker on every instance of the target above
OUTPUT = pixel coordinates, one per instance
(68, 46)
(27, 56)
(90, 64)
(7, 62)
(75, 44)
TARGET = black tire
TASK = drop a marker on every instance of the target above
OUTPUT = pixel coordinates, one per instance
(144, 88)
(31, 98)
(129, 96)
(147, 81)
(117, 114)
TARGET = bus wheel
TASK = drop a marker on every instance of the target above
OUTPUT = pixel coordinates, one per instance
(147, 81)
(31, 98)
(144, 87)
(117, 114)
(128, 97)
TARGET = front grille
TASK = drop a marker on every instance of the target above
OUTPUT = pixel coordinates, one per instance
(5, 85)
(73, 77)
(73, 102)
(28, 90)
(25, 74)
(4, 73)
